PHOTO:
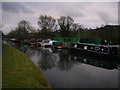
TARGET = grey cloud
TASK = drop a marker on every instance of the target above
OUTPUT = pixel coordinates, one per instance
(0, 12)
(106, 17)
(107, 12)
(89, 14)
(74, 13)
(15, 7)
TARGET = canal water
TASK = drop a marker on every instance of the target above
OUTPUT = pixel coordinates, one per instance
(65, 70)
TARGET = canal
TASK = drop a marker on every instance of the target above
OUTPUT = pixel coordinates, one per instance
(65, 70)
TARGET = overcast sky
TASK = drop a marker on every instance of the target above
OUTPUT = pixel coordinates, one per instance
(88, 14)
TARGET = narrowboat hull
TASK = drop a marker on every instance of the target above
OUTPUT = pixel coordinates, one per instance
(93, 54)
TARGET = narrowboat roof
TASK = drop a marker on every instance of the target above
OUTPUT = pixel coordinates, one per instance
(97, 44)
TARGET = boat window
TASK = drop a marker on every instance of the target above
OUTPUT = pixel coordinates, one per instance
(97, 48)
(102, 49)
(85, 47)
(91, 47)
(105, 49)
(75, 45)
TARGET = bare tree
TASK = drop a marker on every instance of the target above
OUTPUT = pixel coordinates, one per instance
(22, 30)
(65, 23)
(47, 24)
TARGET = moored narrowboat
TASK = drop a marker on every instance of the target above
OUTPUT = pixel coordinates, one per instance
(95, 50)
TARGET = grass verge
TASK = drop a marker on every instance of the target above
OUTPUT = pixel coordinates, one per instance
(19, 71)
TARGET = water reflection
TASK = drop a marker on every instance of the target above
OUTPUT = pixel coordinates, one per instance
(97, 62)
(65, 62)
(64, 69)
(48, 58)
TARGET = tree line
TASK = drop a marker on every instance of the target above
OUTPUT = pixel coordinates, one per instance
(63, 27)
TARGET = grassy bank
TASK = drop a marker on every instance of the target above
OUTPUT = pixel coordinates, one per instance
(19, 71)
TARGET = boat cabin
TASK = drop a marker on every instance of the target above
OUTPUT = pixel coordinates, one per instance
(96, 48)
